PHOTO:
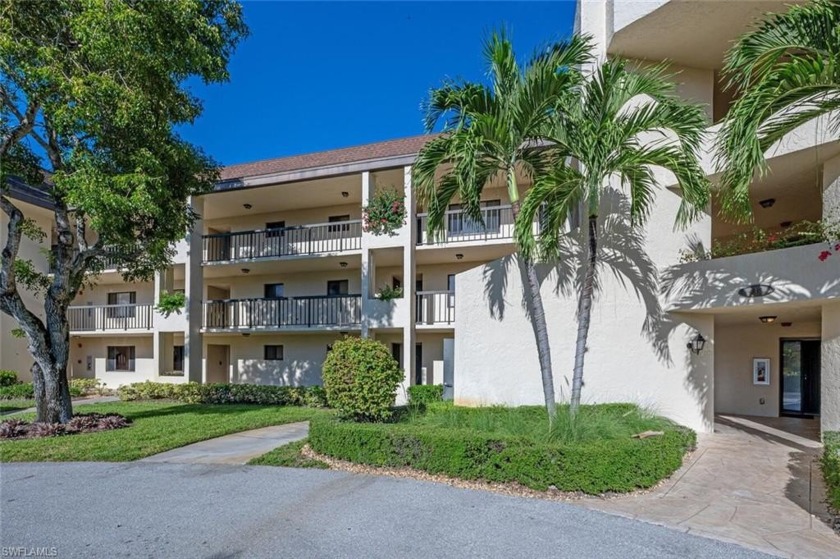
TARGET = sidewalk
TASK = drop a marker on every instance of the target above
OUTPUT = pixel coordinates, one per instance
(238, 448)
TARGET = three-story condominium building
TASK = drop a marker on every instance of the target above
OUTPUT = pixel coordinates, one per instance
(280, 266)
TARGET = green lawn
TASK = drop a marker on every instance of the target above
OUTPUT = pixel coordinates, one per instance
(7, 406)
(288, 456)
(157, 427)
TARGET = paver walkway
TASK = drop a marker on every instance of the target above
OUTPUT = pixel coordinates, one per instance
(237, 448)
(755, 481)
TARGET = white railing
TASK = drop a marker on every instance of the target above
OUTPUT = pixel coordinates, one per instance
(110, 318)
(435, 307)
(305, 312)
(458, 227)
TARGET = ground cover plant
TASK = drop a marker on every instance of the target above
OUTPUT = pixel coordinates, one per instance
(593, 452)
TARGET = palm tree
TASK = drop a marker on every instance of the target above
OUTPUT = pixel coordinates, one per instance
(496, 131)
(788, 73)
(614, 130)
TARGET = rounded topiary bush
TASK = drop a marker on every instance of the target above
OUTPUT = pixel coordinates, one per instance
(361, 379)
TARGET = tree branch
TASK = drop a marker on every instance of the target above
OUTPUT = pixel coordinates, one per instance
(25, 125)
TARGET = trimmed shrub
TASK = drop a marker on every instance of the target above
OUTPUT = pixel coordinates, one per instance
(618, 465)
(425, 393)
(831, 469)
(84, 386)
(19, 391)
(192, 393)
(8, 378)
(361, 379)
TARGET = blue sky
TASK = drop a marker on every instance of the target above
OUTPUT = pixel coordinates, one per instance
(319, 75)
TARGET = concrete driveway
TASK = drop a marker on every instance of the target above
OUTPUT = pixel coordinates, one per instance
(216, 511)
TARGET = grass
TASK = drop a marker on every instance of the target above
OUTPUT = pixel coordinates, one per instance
(288, 456)
(593, 423)
(157, 427)
(8, 406)
(831, 469)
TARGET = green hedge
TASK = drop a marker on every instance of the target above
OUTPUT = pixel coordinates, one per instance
(596, 467)
(831, 468)
(192, 393)
(8, 378)
(25, 391)
(425, 393)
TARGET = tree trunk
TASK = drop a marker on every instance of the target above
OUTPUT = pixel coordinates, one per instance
(584, 314)
(533, 298)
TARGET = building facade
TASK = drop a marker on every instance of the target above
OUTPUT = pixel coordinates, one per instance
(279, 266)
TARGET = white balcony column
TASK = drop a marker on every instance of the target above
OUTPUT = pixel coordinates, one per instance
(409, 279)
(193, 288)
(367, 260)
(158, 353)
(830, 368)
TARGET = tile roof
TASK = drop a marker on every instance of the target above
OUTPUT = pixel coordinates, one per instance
(378, 150)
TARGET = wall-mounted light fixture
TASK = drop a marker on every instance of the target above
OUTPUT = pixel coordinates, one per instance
(343, 264)
(246, 270)
(767, 203)
(247, 206)
(696, 344)
(767, 319)
(245, 334)
(459, 256)
(345, 194)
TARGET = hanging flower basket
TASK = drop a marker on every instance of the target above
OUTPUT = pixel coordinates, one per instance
(385, 213)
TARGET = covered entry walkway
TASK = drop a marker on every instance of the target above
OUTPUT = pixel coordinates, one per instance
(754, 481)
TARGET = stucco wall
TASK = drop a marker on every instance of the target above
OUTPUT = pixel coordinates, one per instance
(830, 368)
(256, 221)
(294, 285)
(97, 347)
(735, 347)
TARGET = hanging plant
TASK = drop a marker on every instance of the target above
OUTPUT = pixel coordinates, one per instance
(385, 213)
(171, 303)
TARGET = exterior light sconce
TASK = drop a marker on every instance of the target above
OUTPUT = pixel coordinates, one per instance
(459, 256)
(343, 264)
(767, 319)
(345, 194)
(246, 270)
(696, 344)
(756, 290)
(247, 206)
(768, 203)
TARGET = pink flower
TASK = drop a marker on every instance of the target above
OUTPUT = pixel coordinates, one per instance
(824, 255)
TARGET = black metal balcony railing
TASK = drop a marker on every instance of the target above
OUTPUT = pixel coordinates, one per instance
(435, 307)
(106, 262)
(105, 318)
(236, 314)
(458, 227)
(288, 241)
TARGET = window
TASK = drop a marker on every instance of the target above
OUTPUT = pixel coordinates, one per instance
(120, 358)
(396, 282)
(418, 283)
(273, 352)
(450, 286)
(337, 287)
(329, 348)
(274, 291)
(122, 304)
(338, 219)
(178, 358)
(275, 229)
(459, 223)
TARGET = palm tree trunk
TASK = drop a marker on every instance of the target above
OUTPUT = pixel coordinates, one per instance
(584, 314)
(533, 298)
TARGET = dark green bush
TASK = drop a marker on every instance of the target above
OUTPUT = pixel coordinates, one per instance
(192, 393)
(8, 378)
(19, 391)
(361, 379)
(831, 468)
(425, 393)
(595, 467)
(84, 386)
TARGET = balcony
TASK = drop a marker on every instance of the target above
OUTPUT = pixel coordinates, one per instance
(435, 308)
(458, 227)
(344, 311)
(110, 318)
(304, 240)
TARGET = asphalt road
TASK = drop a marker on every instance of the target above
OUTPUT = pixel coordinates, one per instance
(173, 510)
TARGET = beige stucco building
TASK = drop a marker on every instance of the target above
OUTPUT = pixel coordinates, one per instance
(279, 267)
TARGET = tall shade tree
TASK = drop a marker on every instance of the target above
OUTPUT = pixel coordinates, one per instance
(615, 130)
(90, 93)
(787, 71)
(498, 130)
